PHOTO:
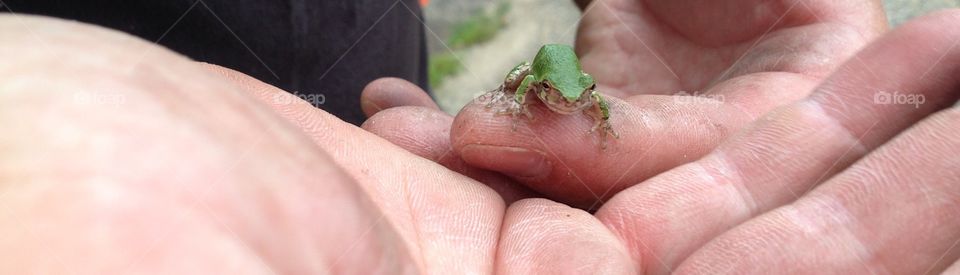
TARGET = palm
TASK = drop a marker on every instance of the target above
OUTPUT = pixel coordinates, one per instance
(668, 47)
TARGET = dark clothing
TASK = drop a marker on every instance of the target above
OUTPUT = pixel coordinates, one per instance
(331, 48)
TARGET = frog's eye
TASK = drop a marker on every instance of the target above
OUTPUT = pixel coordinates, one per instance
(546, 86)
(593, 87)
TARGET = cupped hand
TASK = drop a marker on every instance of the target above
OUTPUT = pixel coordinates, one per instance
(122, 157)
(861, 177)
(681, 76)
(128, 158)
(858, 177)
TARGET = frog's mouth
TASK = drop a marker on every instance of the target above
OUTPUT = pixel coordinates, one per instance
(556, 102)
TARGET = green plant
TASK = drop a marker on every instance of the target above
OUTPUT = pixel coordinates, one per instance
(476, 29)
(479, 28)
(442, 65)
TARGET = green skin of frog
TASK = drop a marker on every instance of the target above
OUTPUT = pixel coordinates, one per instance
(556, 78)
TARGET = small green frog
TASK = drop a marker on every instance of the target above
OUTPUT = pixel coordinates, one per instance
(557, 79)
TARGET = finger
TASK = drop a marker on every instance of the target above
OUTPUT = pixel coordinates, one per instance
(544, 237)
(555, 155)
(422, 131)
(897, 211)
(406, 189)
(661, 52)
(426, 133)
(748, 19)
(389, 92)
(783, 155)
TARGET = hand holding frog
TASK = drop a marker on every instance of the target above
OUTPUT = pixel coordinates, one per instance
(832, 182)
(678, 77)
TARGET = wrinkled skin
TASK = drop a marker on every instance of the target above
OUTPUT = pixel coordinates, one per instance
(737, 70)
(793, 109)
(199, 169)
(121, 157)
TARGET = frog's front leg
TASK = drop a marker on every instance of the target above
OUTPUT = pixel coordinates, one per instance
(520, 97)
(504, 96)
(601, 117)
(516, 75)
(514, 104)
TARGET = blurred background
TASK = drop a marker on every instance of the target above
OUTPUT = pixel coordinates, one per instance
(474, 43)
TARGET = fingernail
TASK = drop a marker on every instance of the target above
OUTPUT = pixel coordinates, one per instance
(513, 161)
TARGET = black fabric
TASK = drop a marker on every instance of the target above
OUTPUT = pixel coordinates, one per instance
(323, 50)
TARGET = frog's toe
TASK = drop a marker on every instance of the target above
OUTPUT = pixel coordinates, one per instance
(608, 129)
(492, 97)
(613, 133)
(597, 125)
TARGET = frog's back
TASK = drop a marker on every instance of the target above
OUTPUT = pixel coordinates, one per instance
(556, 60)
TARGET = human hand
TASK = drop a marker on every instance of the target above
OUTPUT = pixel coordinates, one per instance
(860, 177)
(271, 214)
(122, 157)
(881, 171)
(848, 180)
(681, 76)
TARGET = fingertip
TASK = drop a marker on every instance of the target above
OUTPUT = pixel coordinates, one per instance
(421, 130)
(389, 92)
(557, 155)
(477, 124)
(530, 243)
(497, 143)
(546, 152)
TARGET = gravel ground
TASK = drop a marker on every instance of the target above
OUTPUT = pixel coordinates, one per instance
(486, 64)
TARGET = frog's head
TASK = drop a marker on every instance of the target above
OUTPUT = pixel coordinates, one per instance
(564, 87)
(567, 98)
